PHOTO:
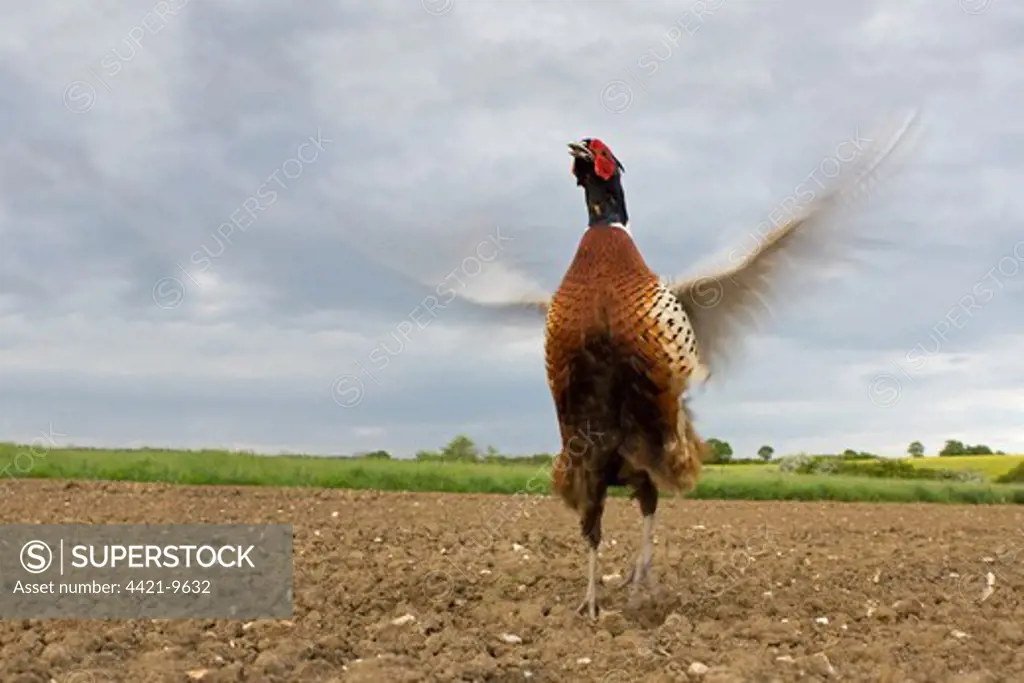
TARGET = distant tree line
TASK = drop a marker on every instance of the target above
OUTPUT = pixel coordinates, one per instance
(952, 447)
(465, 450)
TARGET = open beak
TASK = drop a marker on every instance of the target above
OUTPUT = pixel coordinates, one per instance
(580, 151)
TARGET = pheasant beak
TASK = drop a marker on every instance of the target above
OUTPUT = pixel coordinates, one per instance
(580, 151)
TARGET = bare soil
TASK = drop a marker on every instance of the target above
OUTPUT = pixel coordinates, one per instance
(749, 591)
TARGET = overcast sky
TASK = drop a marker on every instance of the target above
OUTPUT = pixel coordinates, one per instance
(351, 140)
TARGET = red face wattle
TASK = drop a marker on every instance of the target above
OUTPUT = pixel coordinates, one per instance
(604, 161)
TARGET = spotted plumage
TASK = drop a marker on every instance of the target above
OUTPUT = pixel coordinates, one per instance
(622, 345)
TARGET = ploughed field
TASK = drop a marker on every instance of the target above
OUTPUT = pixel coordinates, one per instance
(401, 587)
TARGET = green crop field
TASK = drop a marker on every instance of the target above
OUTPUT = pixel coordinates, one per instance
(748, 482)
(991, 466)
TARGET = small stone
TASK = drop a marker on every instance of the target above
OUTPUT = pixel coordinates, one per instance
(959, 635)
(610, 577)
(698, 669)
(822, 620)
(403, 620)
(583, 660)
(197, 674)
(990, 582)
(516, 547)
(334, 514)
(510, 638)
(820, 665)
(378, 539)
(785, 659)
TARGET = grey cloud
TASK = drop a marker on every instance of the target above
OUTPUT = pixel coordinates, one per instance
(444, 126)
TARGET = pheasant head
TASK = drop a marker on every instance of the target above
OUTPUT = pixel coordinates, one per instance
(599, 173)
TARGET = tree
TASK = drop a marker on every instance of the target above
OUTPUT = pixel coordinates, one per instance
(721, 451)
(765, 452)
(954, 447)
(377, 455)
(460, 449)
(915, 449)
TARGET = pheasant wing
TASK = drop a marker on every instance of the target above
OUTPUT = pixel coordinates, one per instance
(480, 275)
(724, 303)
(513, 300)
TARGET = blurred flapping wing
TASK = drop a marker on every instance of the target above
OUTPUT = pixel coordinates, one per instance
(726, 302)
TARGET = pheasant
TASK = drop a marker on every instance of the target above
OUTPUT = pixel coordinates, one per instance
(622, 346)
(619, 349)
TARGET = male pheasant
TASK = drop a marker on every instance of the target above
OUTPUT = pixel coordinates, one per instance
(619, 349)
(622, 346)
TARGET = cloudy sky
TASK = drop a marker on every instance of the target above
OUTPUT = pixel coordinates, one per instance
(205, 208)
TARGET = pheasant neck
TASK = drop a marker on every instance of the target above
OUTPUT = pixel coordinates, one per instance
(606, 203)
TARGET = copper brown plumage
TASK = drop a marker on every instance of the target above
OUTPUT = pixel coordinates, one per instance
(623, 345)
(608, 312)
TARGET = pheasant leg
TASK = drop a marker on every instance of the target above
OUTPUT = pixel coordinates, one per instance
(647, 496)
(590, 525)
(640, 572)
(589, 604)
